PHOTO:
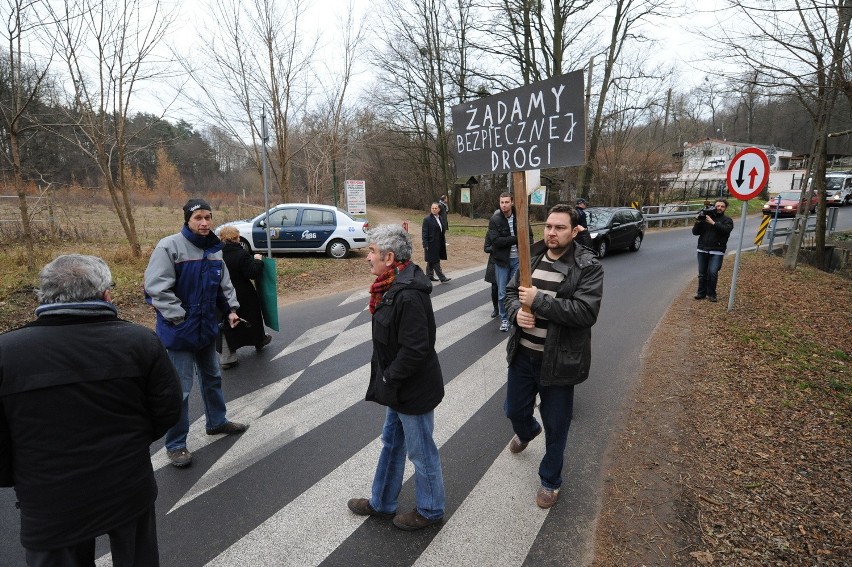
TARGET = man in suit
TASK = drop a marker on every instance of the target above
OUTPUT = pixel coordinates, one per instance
(435, 244)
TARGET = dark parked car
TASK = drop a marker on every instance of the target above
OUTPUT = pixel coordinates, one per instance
(613, 228)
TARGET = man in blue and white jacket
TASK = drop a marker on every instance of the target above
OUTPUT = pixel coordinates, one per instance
(187, 282)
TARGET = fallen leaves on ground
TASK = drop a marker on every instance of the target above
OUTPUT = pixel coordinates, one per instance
(737, 449)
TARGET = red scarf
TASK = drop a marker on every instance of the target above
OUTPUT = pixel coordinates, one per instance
(383, 283)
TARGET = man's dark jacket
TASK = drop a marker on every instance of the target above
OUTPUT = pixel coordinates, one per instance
(500, 236)
(434, 240)
(405, 373)
(81, 400)
(713, 237)
(568, 347)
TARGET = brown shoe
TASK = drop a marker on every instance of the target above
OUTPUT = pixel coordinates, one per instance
(361, 506)
(411, 521)
(546, 497)
(228, 428)
(179, 458)
(516, 445)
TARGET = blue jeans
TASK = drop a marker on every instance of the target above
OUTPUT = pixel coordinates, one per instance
(557, 406)
(411, 434)
(504, 276)
(206, 361)
(708, 273)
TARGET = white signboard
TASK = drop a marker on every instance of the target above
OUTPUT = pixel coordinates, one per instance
(356, 197)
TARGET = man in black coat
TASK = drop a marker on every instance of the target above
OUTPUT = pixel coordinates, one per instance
(712, 229)
(503, 237)
(83, 394)
(405, 376)
(434, 232)
(550, 346)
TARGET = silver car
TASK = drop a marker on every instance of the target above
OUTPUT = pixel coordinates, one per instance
(302, 227)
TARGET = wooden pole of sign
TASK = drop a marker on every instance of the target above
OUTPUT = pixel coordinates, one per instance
(519, 195)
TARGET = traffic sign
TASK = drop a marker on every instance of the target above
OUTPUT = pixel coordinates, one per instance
(748, 174)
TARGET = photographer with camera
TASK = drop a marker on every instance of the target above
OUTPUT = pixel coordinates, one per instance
(712, 228)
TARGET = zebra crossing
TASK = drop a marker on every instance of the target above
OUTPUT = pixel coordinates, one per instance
(311, 423)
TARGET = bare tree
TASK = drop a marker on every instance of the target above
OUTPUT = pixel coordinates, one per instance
(799, 47)
(256, 55)
(423, 71)
(109, 51)
(627, 16)
(327, 147)
(25, 79)
(539, 40)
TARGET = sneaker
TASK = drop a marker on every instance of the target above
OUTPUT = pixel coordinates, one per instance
(546, 497)
(266, 340)
(414, 521)
(445, 280)
(712, 298)
(228, 365)
(361, 506)
(433, 279)
(516, 445)
(504, 326)
(180, 458)
(228, 428)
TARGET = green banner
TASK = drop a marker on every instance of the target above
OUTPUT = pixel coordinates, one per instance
(267, 290)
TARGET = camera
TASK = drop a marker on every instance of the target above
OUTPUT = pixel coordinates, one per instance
(705, 212)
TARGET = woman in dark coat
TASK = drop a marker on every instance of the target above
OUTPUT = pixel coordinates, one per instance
(434, 244)
(242, 269)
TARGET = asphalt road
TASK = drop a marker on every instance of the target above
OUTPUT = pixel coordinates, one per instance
(277, 495)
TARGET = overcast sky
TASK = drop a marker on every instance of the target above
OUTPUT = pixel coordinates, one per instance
(679, 42)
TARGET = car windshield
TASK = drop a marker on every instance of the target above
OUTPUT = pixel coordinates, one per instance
(833, 182)
(598, 218)
(790, 195)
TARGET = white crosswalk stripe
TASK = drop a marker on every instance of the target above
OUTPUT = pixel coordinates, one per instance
(290, 537)
(315, 522)
(277, 428)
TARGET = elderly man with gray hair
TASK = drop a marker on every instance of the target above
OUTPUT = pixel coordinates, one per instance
(405, 376)
(83, 394)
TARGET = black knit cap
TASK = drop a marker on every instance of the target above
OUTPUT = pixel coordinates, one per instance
(193, 205)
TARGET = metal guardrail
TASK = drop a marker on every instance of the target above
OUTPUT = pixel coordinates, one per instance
(784, 227)
(662, 213)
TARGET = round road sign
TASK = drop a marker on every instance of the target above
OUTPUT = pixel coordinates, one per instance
(748, 174)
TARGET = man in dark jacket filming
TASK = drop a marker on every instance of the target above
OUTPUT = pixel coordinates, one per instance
(550, 345)
(405, 376)
(83, 394)
(712, 228)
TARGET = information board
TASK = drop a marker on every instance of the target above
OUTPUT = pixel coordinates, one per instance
(356, 197)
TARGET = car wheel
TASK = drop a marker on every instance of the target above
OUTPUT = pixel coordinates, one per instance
(246, 246)
(602, 248)
(637, 242)
(337, 249)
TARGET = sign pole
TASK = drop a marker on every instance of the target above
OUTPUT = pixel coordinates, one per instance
(748, 174)
(737, 260)
(519, 193)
